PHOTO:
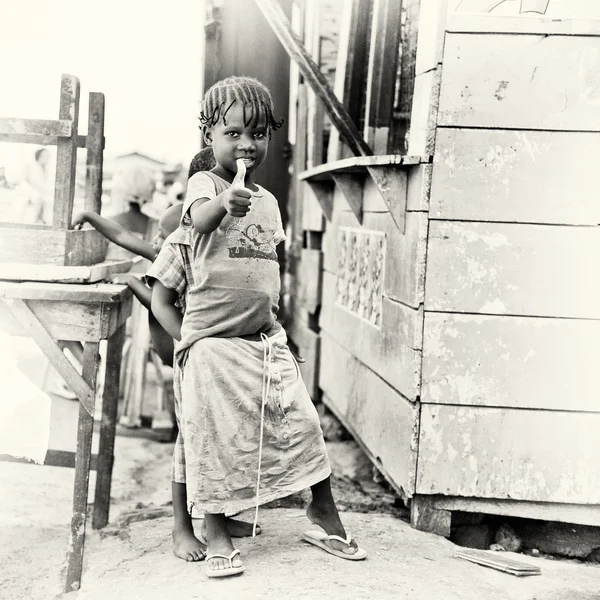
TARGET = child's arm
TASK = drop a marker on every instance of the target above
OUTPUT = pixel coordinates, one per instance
(165, 311)
(116, 234)
(140, 290)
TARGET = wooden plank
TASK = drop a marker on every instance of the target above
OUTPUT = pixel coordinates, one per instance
(318, 202)
(383, 421)
(515, 176)
(423, 130)
(310, 278)
(65, 320)
(543, 456)
(430, 46)
(85, 247)
(63, 274)
(359, 165)
(35, 246)
(393, 351)
(482, 23)
(66, 154)
(45, 127)
(349, 75)
(297, 52)
(54, 458)
(85, 428)
(315, 110)
(520, 81)
(34, 290)
(404, 278)
(504, 269)
(308, 344)
(424, 516)
(110, 401)
(53, 352)
(41, 140)
(351, 187)
(584, 514)
(515, 362)
(383, 60)
(94, 158)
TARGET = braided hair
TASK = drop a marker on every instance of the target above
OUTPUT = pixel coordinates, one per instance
(254, 97)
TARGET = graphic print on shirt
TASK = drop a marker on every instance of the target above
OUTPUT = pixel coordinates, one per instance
(253, 237)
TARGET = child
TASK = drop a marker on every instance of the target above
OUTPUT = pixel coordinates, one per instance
(251, 432)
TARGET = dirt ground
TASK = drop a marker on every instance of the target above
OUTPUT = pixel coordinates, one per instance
(132, 558)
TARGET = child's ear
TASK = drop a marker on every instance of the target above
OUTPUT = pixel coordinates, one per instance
(207, 134)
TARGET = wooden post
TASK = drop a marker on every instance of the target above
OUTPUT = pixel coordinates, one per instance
(340, 119)
(110, 400)
(66, 155)
(94, 159)
(83, 457)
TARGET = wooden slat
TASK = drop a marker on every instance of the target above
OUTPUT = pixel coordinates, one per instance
(359, 165)
(42, 140)
(515, 362)
(585, 514)
(310, 280)
(544, 456)
(351, 59)
(393, 351)
(54, 458)
(423, 130)
(36, 246)
(351, 187)
(297, 52)
(53, 352)
(64, 320)
(44, 127)
(66, 154)
(383, 60)
(308, 344)
(520, 81)
(85, 247)
(505, 269)
(110, 401)
(516, 176)
(85, 428)
(382, 419)
(430, 46)
(62, 274)
(404, 277)
(35, 290)
(94, 159)
(482, 23)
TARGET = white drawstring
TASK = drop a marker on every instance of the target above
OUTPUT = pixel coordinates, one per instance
(266, 386)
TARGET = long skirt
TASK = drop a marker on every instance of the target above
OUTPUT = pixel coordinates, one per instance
(233, 389)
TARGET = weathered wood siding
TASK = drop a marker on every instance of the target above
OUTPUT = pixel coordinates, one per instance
(512, 299)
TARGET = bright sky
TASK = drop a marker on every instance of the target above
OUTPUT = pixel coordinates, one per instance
(145, 56)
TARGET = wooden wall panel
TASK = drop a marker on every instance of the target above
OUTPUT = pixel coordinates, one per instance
(405, 258)
(514, 362)
(499, 268)
(393, 352)
(521, 81)
(520, 176)
(386, 423)
(308, 345)
(536, 455)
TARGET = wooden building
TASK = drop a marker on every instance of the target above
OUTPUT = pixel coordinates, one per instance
(442, 278)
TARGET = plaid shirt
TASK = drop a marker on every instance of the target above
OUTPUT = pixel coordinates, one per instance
(173, 268)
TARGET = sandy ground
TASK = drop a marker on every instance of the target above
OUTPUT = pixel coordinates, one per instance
(132, 557)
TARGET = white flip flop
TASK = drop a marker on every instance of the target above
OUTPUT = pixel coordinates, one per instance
(231, 570)
(321, 539)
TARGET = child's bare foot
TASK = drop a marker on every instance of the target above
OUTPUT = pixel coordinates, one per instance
(186, 545)
(236, 528)
(326, 516)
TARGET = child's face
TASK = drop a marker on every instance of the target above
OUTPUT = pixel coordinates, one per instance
(161, 235)
(235, 140)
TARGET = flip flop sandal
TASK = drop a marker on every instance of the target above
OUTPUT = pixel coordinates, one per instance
(321, 539)
(231, 570)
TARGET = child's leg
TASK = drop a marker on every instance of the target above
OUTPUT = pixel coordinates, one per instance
(219, 542)
(185, 544)
(323, 512)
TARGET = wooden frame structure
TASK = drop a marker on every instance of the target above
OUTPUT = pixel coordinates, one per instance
(53, 314)
(435, 316)
(58, 244)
